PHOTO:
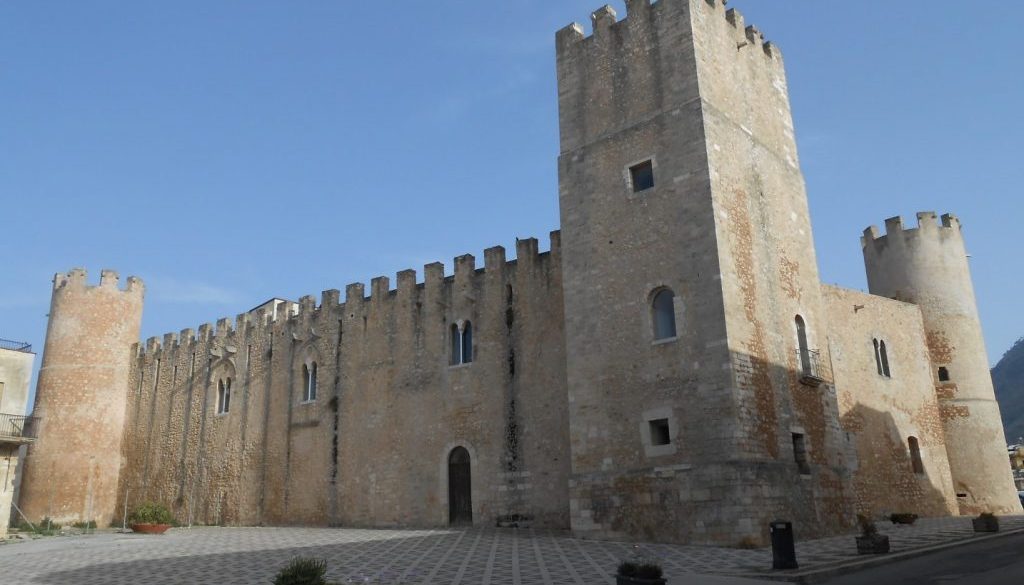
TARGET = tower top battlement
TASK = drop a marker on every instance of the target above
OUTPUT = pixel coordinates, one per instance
(928, 223)
(604, 21)
(76, 279)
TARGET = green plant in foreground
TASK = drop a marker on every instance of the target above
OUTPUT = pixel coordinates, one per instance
(642, 570)
(302, 571)
(150, 513)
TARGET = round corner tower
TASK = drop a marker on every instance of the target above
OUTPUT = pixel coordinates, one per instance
(71, 472)
(928, 266)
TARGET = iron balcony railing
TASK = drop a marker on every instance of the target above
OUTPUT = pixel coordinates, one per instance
(813, 370)
(18, 427)
(15, 345)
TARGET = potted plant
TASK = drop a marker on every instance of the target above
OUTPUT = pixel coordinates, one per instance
(302, 571)
(641, 572)
(986, 522)
(150, 518)
(870, 542)
(902, 518)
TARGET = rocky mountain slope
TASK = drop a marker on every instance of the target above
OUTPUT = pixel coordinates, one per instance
(1008, 377)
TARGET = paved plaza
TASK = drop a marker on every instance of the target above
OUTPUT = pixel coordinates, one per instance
(391, 557)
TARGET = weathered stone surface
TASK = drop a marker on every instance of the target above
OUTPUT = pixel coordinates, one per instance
(572, 413)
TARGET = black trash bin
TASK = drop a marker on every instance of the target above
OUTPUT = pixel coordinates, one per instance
(783, 547)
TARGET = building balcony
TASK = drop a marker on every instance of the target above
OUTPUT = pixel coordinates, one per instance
(15, 345)
(813, 370)
(19, 429)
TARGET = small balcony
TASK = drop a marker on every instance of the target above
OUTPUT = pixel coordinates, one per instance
(16, 428)
(813, 370)
(15, 345)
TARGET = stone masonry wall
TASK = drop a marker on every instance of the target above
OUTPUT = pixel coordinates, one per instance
(372, 449)
(880, 413)
(71, 472)
(769, 276)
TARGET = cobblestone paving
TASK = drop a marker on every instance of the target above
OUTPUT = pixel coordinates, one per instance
(479, 556)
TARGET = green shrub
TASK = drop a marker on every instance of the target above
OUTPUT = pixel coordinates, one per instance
(90, 525)
(649, 571)
(302, 571)
(867, 526)
(628, 569)
(150, 513)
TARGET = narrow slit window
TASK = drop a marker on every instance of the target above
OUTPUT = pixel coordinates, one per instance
(878, 357)
(223, 396)
(309, 382)
(663, 313)
(800, 454)
(660, 432)
(801, 342)
(456, 337)
(885, 359)
(915, 455)
(642, 176)
(467, 343)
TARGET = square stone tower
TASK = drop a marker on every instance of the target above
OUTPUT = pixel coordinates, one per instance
(701, 404)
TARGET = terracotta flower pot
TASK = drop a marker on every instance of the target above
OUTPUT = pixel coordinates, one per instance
(149, 528)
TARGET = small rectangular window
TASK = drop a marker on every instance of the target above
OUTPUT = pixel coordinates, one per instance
(659, 432)
(943, 374)
(642, 176)
(800, 454)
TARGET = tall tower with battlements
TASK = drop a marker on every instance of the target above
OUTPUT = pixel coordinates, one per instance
(701, 405)
(928, 266)
(71, 472)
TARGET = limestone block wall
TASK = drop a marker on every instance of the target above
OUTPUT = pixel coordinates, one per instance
(372, 448)
(769, 276)
(881, 413)
(71, 472)
(928, 266)
(684, 84)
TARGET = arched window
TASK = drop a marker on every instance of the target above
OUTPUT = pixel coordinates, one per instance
(223, 395)
(309, 382)
(802, 347)
(467, 343)
(663, 314)
(915, 455)
(884, 356)
(462, 343)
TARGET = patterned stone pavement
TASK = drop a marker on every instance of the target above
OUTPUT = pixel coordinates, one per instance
(386, 557)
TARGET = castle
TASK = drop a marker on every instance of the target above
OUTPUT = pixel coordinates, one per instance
(672, 369)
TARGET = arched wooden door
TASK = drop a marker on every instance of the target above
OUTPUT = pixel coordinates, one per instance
(460, 487)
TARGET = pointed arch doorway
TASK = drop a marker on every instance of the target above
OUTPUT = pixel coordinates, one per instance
(460, 488)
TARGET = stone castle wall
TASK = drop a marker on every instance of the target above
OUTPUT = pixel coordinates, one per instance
(372, 449)
(71, 471)
(928, 266)
(764, 402)
(881, 412)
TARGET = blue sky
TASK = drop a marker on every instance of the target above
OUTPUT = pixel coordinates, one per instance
(231, 151)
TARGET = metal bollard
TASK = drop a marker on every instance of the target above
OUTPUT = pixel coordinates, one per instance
(783, 546)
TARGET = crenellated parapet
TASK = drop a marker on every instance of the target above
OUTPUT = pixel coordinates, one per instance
(641, 13)
(663, 57)
(929, 225)
(76, 279)
(382, 297)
